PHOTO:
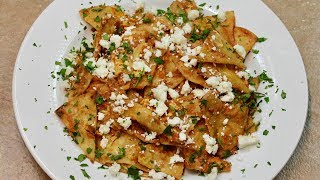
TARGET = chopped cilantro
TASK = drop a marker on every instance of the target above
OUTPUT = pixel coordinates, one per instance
(68, 158)
(97, 19)
(80, 158)
(105, 37)
(99, 100)
(265, 132)
(202, 5)
(150, 77)
(146, 20)
(133, 172)
(226, 154)
(168, 130)
(283, 94)
(255, 165)
(25, 129)
(89, 150)
(158, 60)
(243, 170)
(84, 165)
(46, 127)
(204, 102)
(270, 113)
(261, 39)
(160, 12)
(267, 99)
(255, 51)
(269, 163)
(85, 174)
(121, 154)
(65, 24)
(35, 45)
(72, 177)
(273, 127)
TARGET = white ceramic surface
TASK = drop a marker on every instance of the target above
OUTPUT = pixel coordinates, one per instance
(36, 95)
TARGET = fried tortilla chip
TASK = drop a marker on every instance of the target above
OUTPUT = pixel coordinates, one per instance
(245, 38)
(79, 116)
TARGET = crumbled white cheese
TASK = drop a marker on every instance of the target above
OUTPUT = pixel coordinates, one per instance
(150, 136)
(224, 87)
(104, 142)
(104, 68)
(182, 136)
(104, 43)
(165, 42)
(159, 175)
(128, 31)
(124, 122)
(203, 69)
(178, 36)
(126, 78)
(180, 20)
(225, 121)
(199, 93)
(222, 16)
(160, 92)
(140, 66)
(229, 97)
(187, 28)
(116, 39)
(100, 116)
(147, 54)
(170, 75)
(245, 141)
(193, 14)
(214, 81)
(243, 74)
(174, 121)
(252, 88)
(173, 93)
(186, 89)
(161, 107)
(240, 50)
(213, 175)
(175, 158)
(213, 37)
(158, 53)
(114, 169)
(105, 128)
(211, 146)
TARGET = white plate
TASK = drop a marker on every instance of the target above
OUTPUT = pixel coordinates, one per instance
(35, 99)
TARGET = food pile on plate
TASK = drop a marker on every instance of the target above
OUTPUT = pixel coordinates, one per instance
(157, 92)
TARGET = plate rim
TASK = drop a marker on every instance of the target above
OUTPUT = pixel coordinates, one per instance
(43, 166)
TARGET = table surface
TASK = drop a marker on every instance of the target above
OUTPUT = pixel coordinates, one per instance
(300, 17)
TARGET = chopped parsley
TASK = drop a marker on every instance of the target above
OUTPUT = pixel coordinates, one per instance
(160, 12)
(127, 47)
(35, 45)
(273, 127)
(84, 165)
(226, 154)
(265, 132)
(204, 102)
(269, 163)
(72, 177)
(46, 127)
(25, 129)
(267, 99)
(68, 158)
(255, 165)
